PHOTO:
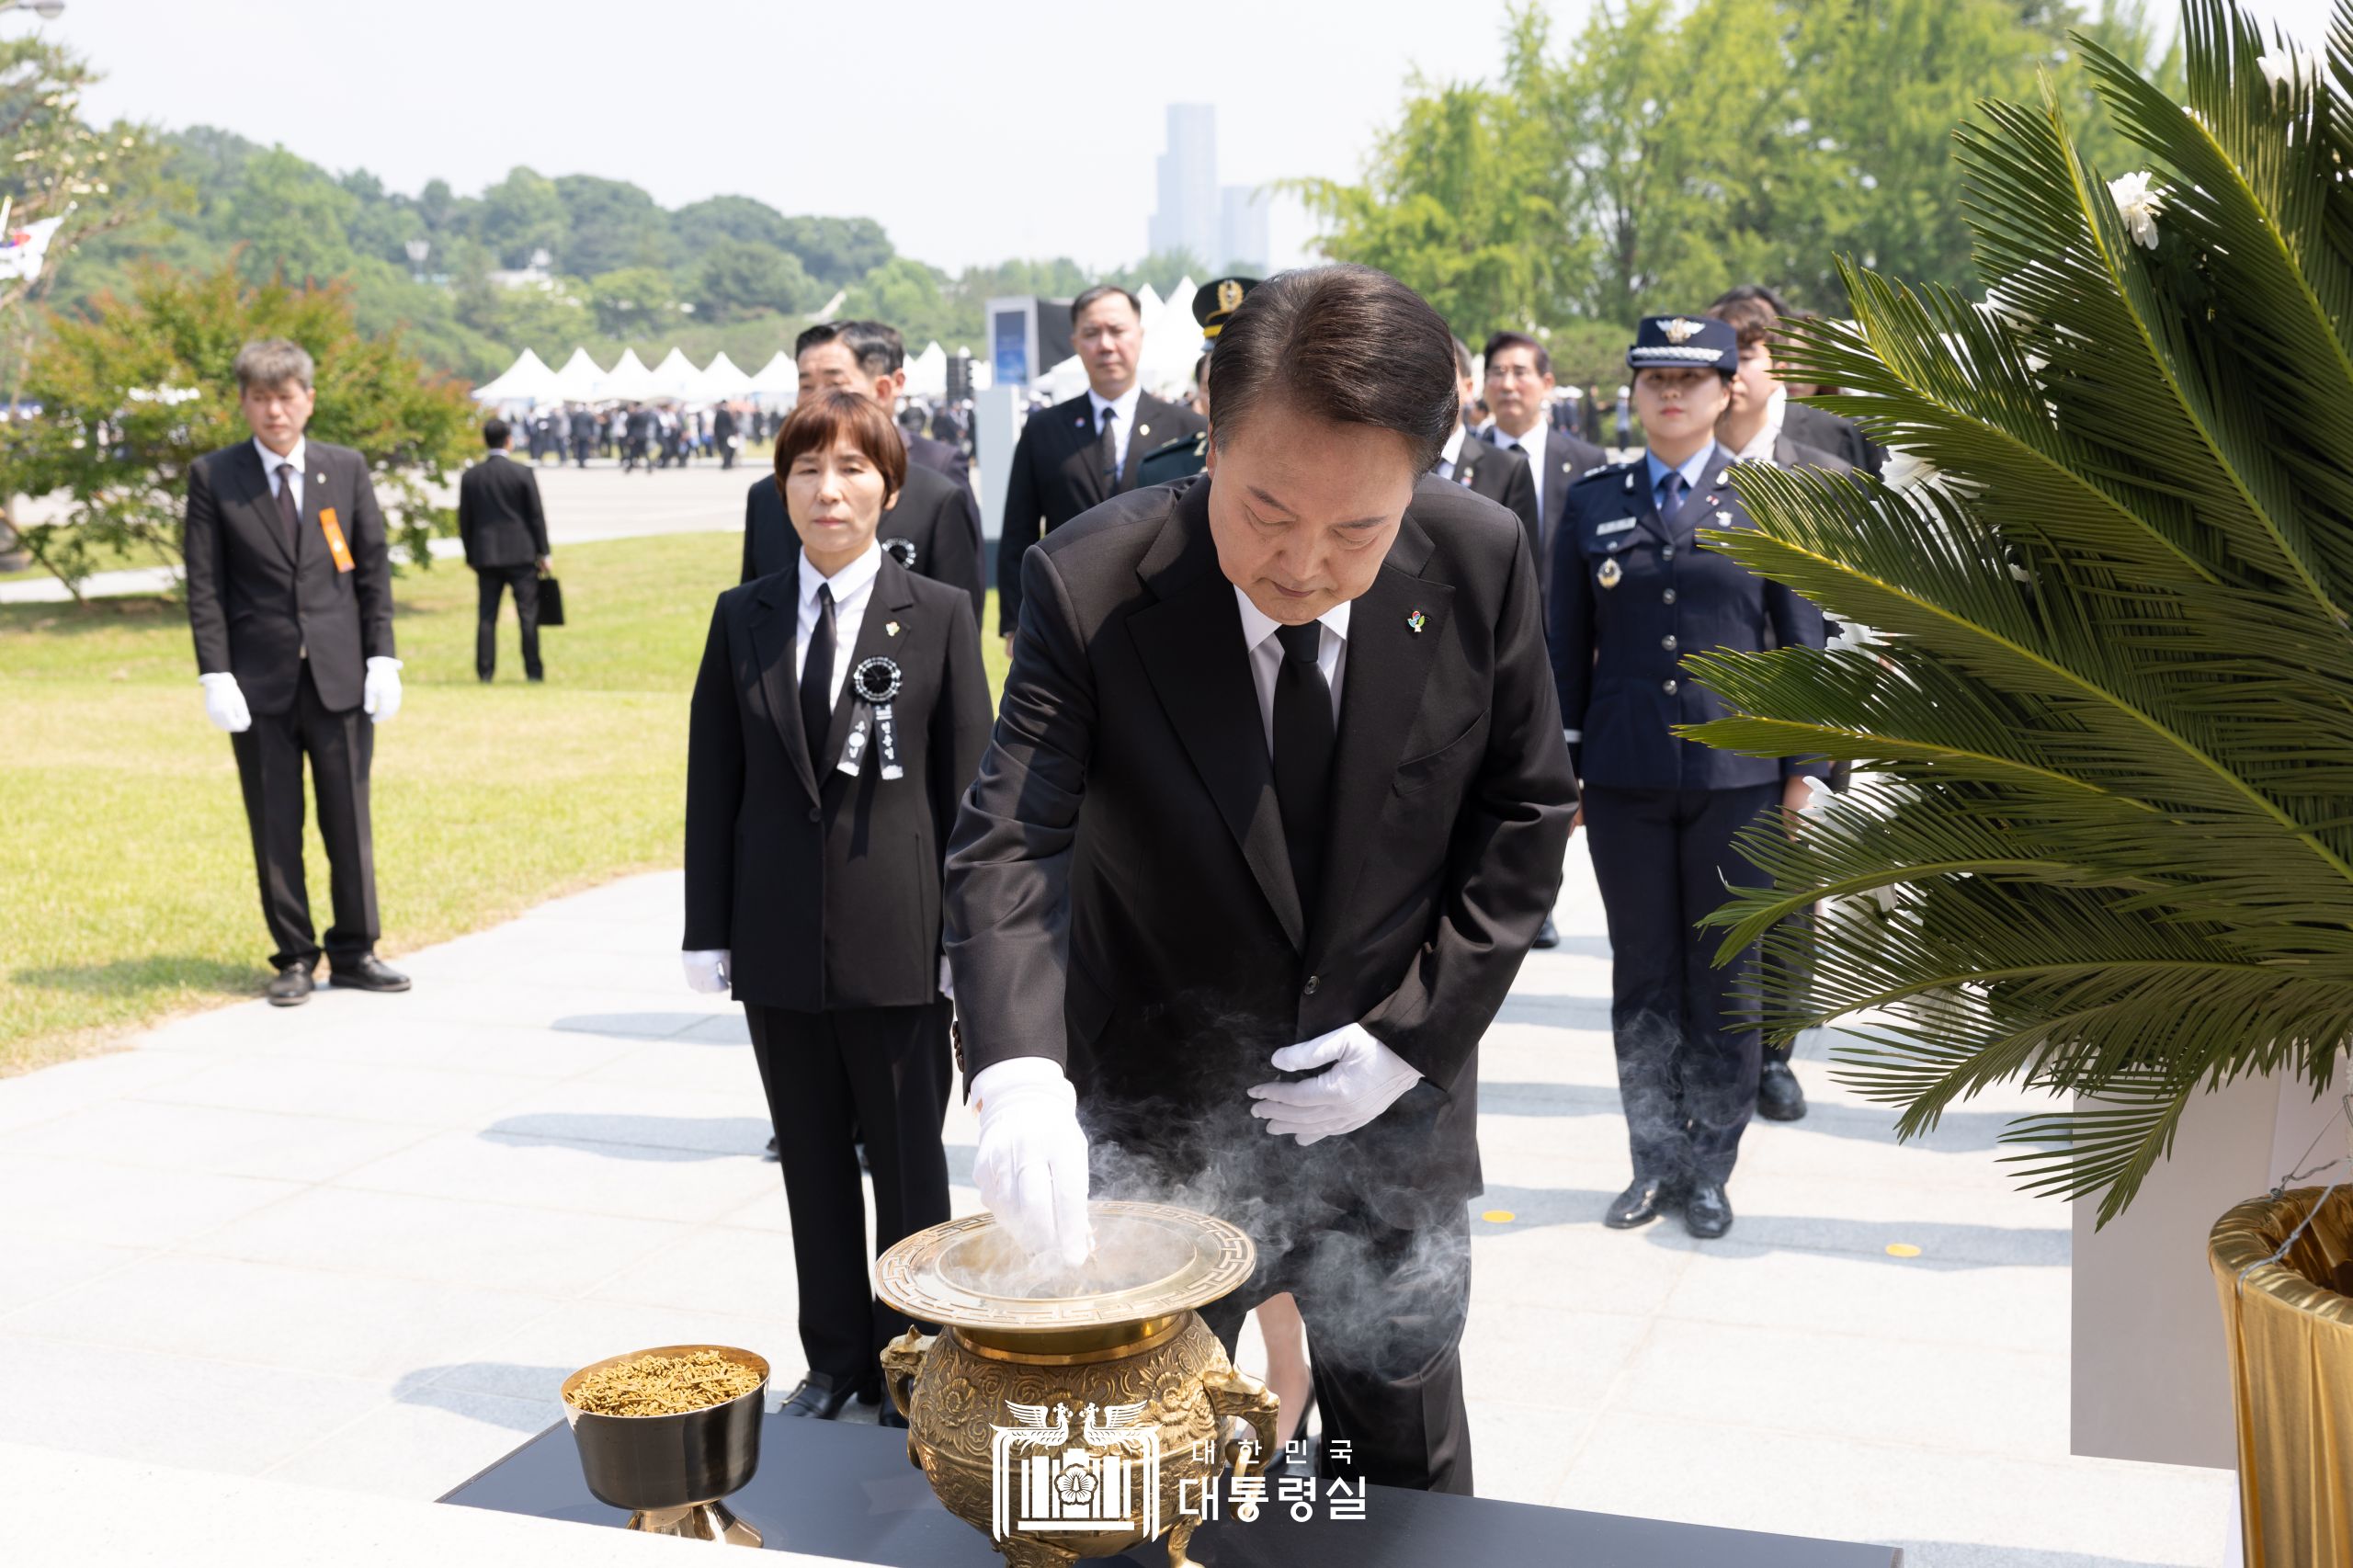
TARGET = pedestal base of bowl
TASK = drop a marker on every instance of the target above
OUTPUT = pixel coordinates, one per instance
(696, 1521)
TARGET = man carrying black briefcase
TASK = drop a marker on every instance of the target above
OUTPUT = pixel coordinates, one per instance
(505, 530)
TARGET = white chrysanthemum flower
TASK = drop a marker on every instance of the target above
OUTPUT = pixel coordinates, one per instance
(1906, 470)
(2290, 68)
(2138, 205)
(1999, 305)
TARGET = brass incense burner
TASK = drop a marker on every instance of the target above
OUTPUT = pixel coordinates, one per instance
(1073, 1414)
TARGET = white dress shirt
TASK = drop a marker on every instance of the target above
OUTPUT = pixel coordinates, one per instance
(1760, 449)
(1267, 657)
(1451, 453)
(1533, 445)
(269, 462)
(853, 585)
(1125, 404)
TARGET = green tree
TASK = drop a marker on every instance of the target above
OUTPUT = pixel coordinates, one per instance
(520, 214)
(910, 295)
(634, 301)
(837, 251)
(1162, 270)
(291, 218)
(1462, 199)
(698, 225)
(739, 278)
(135, 393)
(609, 224)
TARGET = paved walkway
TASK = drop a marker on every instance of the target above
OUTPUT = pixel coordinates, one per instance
(595, 502)
(358, 1245)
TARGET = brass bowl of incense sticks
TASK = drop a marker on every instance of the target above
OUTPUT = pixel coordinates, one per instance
(1081, 1412)
(668, 1433)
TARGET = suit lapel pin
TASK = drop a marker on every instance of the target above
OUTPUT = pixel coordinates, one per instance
(890, 629)
(1416, 621)
(1143, 430)
(1611, 572)
(1723, 519)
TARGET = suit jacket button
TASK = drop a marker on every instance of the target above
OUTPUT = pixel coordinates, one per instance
(1666, 553)
(1667, 598)
(1668, 642)
(818, 813)
(1667, 687)
(1312, 981)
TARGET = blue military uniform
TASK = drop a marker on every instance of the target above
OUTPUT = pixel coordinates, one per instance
(1634, 590)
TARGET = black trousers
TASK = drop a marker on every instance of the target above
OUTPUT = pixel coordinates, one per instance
(269, 769)
(490, 583)
(1384, 1310)
(1687, 1041)
(883, 1073)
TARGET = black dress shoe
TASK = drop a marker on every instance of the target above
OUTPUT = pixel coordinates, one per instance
(1779, 1096)
(1548, 935)
(1707, 1213)
(821, 1396)
(366, 972)
(1646, 1201)
(291, 987)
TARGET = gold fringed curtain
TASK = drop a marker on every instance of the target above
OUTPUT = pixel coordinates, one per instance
(2292, 1376)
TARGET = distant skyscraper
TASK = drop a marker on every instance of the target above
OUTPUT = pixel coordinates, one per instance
(1242, 224)
(1189, 216)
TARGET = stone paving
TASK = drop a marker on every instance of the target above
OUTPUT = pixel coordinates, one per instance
(357, 1244)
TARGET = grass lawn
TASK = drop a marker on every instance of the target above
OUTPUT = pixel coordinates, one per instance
(126, 876)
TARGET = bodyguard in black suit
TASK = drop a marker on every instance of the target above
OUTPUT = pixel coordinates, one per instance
(1801, 422)
(723, 435)
(505, 530)
(1081, 453)
(1497, 472)
(840, 710)
(1518, 382)
(1215, 846)
(290, 593)
(1635, 589)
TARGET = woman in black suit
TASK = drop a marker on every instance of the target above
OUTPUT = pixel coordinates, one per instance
(840, 713)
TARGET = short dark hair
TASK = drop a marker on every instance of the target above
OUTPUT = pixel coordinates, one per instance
(1499, 341)
(1755, 293)
(1099, 292)
(495, 432)
(820, 423)
(1752, 320)
(877, 346)
(1346, 343)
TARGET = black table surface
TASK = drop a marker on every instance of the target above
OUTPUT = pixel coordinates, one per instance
(829, 1489)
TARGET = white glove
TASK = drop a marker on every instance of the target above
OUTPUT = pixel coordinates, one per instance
(381, 693)
(710, 970)
(947, 979)
(1031, 1163)
(224, 704)
(1362, 1079)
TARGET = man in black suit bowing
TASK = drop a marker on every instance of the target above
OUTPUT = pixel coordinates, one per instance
(290, 593)
(933, 527)
(1081, 453)
(1276, 800)
(504, 531)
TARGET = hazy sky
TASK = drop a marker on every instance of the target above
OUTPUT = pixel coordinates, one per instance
(973, 131)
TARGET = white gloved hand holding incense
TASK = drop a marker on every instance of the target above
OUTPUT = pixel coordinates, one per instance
(1031, 1163)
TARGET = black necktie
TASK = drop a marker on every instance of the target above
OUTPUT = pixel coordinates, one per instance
(1302, 753)
(1107, 451)
(289, 516)
(1671, 504)
(817, 679)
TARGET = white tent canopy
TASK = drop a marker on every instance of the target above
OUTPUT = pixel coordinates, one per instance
(1061, 382)
(629, 381)
(1172, 341)
(720, 380)
(927, 372)
(778, 378)
(676, 375)
(527, 379)
(581, 380)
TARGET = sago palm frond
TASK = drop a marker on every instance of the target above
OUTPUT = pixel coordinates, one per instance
(2102, 839)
